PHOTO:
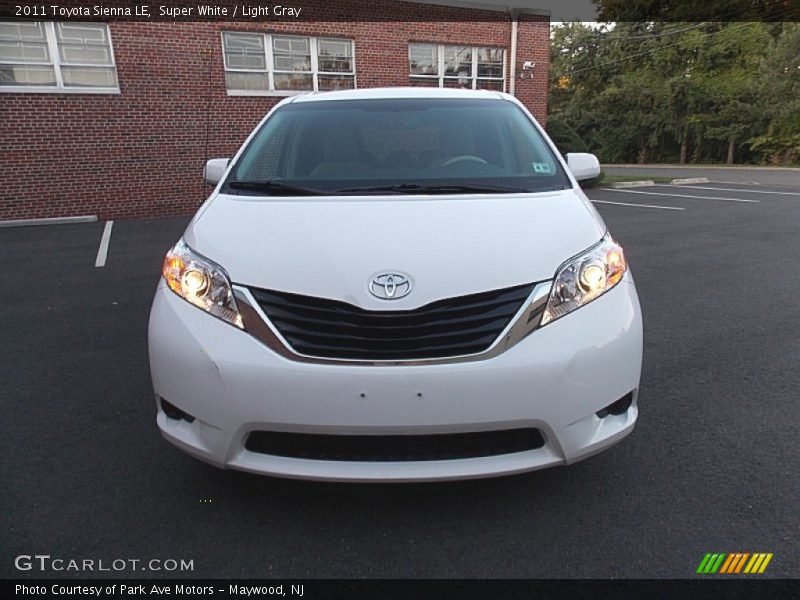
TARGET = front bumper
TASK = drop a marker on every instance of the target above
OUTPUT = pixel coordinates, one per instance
(555, 380)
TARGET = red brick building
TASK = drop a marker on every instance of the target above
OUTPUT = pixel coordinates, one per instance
(115, 118)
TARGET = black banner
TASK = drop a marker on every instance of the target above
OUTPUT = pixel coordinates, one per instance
(438, 589)
(402, 10)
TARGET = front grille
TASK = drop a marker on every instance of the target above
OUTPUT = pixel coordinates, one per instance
(394, 448)
(334, 329)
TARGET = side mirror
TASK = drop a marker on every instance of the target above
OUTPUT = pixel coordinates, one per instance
(215, 169)
(583, 165)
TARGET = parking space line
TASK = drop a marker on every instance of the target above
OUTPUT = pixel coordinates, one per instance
(637, 205)
(701, 187)
(102, 251)
(687, 196)
(737, 182)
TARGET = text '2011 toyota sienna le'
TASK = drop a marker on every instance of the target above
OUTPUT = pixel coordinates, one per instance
(396, 285)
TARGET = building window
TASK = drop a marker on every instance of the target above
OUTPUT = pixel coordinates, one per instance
(261, 64)
(39, 56)
(471, 67)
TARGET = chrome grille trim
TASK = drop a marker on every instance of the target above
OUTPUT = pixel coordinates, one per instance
(525, 321)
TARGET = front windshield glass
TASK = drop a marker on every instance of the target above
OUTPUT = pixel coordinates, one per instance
(416, 145)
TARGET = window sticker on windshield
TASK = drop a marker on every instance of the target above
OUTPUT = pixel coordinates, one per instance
(543, 168)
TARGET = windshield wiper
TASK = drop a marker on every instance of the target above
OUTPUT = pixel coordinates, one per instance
(414, 188)
(274, 186)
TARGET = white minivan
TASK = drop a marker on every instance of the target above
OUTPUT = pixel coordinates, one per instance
(396, 285)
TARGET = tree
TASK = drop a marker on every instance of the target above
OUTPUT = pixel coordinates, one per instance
(779, 79)
(692, 10)
(727, 75)
(714, 92)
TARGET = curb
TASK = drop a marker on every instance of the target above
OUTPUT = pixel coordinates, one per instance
(688, 180)
(674, 166)
(48, 221)
(630, 184)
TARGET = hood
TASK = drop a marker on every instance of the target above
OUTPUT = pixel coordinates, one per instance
(449, 246)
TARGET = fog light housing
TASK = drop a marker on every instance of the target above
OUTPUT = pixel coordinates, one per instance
(173, 412)
(620, 407)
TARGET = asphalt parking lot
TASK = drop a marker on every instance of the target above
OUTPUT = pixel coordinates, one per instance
(770, 176)
(711, 467)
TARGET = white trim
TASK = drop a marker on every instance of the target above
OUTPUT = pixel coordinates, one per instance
(48, 221)
(276, 71)
(51, 89)
(86, 65)
(271, 71)
(353, 59)
(270, 58)
(52, 43)
(110, 49)
(313, 48)
(474, 68)
(440, 65)
(505, 79)
(513, 61)
(277, 93)
(60, 87)
(440, 56)
(225, 56)
(28, 63)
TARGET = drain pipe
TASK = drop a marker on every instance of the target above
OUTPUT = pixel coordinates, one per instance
(512, 80)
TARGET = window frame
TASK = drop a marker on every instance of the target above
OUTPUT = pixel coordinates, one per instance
(271, 71)
(57, 63)
(442, 78)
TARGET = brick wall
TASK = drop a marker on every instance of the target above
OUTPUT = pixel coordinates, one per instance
(141, 153)
(533, 43)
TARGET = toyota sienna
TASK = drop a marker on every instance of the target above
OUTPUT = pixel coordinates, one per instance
(396, 285)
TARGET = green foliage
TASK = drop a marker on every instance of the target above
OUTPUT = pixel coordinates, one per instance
(694, 10)
(678, 92)
(564, 136)
(780, 82)
(594, 182)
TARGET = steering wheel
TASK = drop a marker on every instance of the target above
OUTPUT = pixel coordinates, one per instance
(462, 158)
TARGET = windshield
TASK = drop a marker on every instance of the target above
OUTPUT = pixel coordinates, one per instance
(417, 145)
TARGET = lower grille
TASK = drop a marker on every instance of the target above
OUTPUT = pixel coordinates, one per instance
(394, 448)
(333, 329)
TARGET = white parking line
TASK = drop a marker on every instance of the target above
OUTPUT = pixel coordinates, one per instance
(102, 251)
(703, 187)
(687, 196)
(637, 205)
(736, 182)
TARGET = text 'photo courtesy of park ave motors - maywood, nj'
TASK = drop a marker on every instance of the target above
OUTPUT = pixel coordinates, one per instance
(148, 589)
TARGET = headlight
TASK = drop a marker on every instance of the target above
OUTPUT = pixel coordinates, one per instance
(583, 278)
(201, 282)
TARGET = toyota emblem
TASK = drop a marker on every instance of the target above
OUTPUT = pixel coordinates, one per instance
(390, 286)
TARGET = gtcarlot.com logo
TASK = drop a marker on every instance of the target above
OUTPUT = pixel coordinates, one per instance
(732, 563)
(45, 562)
